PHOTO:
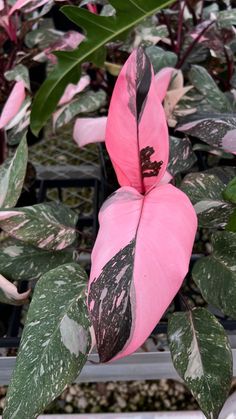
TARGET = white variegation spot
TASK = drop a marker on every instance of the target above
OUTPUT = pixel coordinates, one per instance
(206, 205)
(74, 336)
(195, 368)
(13, 251)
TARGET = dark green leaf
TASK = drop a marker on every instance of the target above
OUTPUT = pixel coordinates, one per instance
(54, 345)
(205, 191)
(20, 261)
(182, 156)
(160, 58)
(12, 175)
(216, 130)
(100, 30)
(231, 226)
(202, 356)
(205, 84)
(229, 193)
(47, 226)
(215, 275)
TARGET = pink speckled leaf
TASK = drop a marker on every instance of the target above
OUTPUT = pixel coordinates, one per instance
(13, 104)
(89, 130)
(139, 261)
(47, 226)
(137, 136)
(74, 89)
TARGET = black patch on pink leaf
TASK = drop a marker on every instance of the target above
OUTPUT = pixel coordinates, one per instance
(138, 83)
(149, 168)
(110, 306)
(143, 82)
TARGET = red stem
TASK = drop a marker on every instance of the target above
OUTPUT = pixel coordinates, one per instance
(191, 46)
(230, 69)
(180, 27)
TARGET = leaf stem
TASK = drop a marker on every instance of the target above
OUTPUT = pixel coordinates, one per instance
(192, 45)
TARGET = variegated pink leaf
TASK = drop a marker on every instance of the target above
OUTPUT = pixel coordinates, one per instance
(74, 89)
(137, 136)
(139, 261)
(89, 130)
(13, 104)
(19, 4)
(163, 79)
(69, 41)
(9, 293)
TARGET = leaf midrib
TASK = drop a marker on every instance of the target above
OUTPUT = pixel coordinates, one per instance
(102, 43)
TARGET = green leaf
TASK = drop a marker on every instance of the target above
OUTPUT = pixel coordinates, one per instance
(20, 261)
(47, 226)
(205, 192)
(86, 103)
(231, 226)
(229, 193)
(202, 356)
(217, 130)
(205, 84)
(215, 275)
(19, 73)
(182, 156)
(100, 30)
(160, 58)
(12, 175)
(10, 295)
(54, 345)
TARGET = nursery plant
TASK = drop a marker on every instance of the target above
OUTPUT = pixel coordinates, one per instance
(147, 226)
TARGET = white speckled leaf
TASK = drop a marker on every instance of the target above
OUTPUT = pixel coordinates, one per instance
(204, 83)
(215, 275)
(9, 293)
(161, 58)
(54, 344)
(85, 103)
(47, 226)
(182, 156)
(205, 190)
(215, 130)
(202, 356)
(12, 175)
(18, 73)
(20, 261)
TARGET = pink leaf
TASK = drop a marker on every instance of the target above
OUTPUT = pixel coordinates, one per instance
(13, 104)
(162, 79)
(19, 4)
(139, 261)
(67, 42)
(73, 89)
(92, 8)
(89, 130)
(9, 293)
(137, 136)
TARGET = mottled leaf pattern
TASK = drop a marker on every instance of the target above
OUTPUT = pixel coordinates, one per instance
(160, 58)
(19, 73)
(110, 294)
(202, 356)
(9, 293)
(215, 275)
(205, 84)
(182, 156)
(215, 130)
(54, 344)
(86, 103)
(20, 261)
(12, 175)
(206, 193)
(47, 226)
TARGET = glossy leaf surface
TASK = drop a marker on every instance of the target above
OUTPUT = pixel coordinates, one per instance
(54, 345)
(198, 345)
